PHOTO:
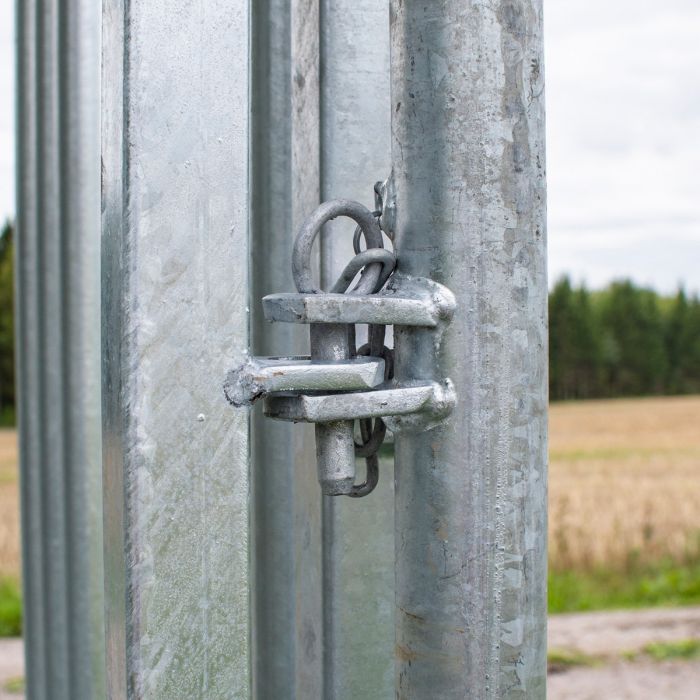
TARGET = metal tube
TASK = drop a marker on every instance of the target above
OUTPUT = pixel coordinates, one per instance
(468, 159)
(58, 349)
(335, 447)
(286, 626)
(175, 257)
(27, 352)
(358, 533)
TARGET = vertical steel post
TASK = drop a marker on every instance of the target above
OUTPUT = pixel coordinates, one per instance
(287, 634)
(358, 533)
(468, 158)
(176, 291)
(58, 347)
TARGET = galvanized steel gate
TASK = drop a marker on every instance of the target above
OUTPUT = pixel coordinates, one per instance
(224, 124)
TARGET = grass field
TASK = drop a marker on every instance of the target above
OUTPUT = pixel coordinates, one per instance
(9, 505)
(624, 523)
(624, 483)
(10, 606)
(624, 503)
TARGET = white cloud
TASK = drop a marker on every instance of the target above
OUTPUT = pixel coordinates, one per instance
(7, 116)
(623, 103)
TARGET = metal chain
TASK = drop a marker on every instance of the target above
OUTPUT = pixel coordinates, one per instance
(372, 433)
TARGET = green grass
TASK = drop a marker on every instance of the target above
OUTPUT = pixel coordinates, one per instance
(14, 685)
(10, 609)
(559, 660)
(678, 650)
(8, 419)
(641, 587)
(664, 651)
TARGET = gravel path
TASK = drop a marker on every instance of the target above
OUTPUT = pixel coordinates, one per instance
(610, 634)
(640, 680)
(11, 665)
(613, 633)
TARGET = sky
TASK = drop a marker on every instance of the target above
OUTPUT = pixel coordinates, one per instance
(7, 115)
(623, 139)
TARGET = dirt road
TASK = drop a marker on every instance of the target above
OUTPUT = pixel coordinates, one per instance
(11, 666)
(609, 637)
(638, 680)
(615, 633)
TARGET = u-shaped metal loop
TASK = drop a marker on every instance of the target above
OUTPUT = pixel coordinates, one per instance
(301, 256)
(362, 260)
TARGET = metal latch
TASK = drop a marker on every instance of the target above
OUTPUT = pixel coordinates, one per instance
(340, 383)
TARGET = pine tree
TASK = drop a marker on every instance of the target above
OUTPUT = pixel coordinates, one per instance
(632, 322)
(7, 365)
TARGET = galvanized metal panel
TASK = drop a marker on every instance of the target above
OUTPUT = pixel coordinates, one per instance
(176, 291)
(358, 533)
(468, 156)
(58, 347)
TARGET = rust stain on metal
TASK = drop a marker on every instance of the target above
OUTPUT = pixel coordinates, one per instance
(404, 654)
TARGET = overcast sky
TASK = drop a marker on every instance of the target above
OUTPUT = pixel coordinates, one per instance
(7, 116)
(623, 131)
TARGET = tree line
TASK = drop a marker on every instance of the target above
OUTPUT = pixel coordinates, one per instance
(7, 329)
(622, 341)
(625, 340)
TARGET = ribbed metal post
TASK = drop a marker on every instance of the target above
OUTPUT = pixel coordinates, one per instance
(468, 157)
(287, 631)
(58, 349)
(175, 319)
(358, 533)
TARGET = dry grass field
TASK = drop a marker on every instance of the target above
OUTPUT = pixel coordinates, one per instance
(624, 482)
(9, 506)
(624, 485)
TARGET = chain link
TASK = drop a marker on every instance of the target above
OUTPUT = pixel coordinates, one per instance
(372, 433)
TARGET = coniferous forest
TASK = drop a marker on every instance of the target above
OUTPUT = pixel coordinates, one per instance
(7, 334)
(622, 341)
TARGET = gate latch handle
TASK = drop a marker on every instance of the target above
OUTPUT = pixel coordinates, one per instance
(339, 383)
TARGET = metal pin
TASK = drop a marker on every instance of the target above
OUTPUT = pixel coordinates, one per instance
(335, 445)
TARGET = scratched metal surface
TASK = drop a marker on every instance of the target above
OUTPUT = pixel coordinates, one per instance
(175, 285)
(358, 533)
(468, 155)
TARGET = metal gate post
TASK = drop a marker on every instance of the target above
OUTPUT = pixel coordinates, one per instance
(468, 158)
(58, 346)
(176, 291)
